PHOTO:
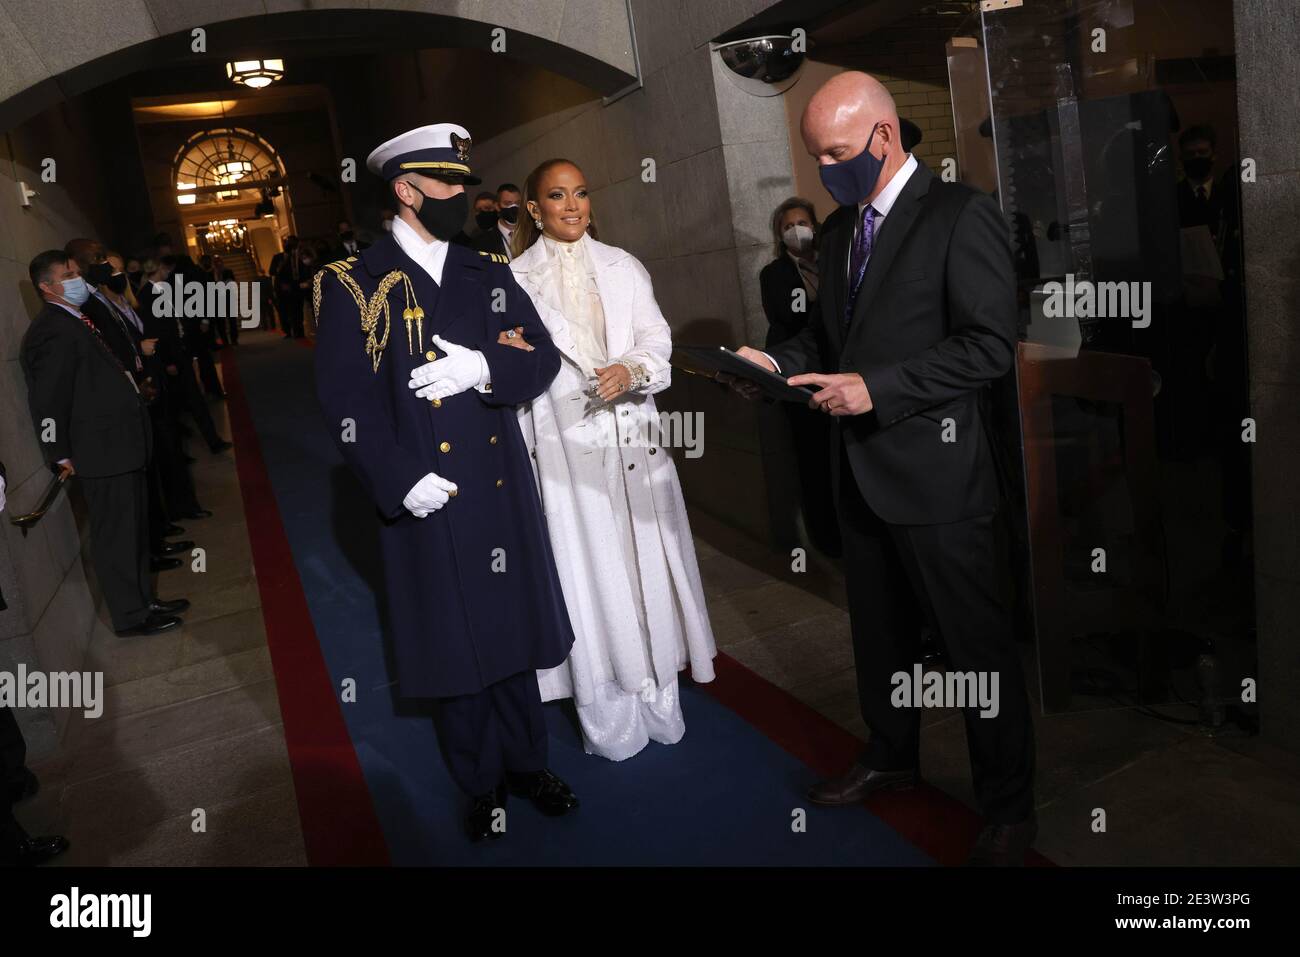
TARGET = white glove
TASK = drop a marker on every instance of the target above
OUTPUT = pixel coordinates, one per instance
(428, 495)
(458, 370)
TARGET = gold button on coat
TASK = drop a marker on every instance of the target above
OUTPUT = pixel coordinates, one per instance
(500, 482)
(493, 440)
(446, 446)
(451, 493)
(431, 355)
(437, 403)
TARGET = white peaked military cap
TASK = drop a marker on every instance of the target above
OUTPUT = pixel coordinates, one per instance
(441, 150)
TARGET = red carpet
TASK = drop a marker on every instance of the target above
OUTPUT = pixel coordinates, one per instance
(339, 826)
(939, 825)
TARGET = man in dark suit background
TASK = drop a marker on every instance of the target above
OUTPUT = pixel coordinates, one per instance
(92, 422)
(227, 326)
(497, 239)
(918, 315)
(124, 341)
(349, 244)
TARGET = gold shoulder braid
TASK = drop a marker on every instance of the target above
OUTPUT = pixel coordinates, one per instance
(370, 311)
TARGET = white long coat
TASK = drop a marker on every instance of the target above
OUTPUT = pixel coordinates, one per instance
(577, 443)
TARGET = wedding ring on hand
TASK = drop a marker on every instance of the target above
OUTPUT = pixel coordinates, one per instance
(510, 334)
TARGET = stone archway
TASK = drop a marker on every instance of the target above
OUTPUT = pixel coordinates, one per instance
(589, 41)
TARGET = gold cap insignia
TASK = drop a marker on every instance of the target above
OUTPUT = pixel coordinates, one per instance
(461, 145)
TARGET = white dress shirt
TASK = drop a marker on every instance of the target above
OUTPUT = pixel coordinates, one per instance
(883, 203)
(430, 255)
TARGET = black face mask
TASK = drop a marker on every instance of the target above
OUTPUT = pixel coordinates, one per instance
(510, 214)
(486, 219)
(116, 283)
(348, 236)
(98, 274)
(443, 218)
(1198, 167)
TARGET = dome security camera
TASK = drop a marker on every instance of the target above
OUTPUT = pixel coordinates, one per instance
(762, 66)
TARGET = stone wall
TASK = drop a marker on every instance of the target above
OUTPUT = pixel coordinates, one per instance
(721, 163)
(1268, 32)
(51, 611)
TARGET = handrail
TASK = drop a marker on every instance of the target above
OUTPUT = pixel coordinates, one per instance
(47, 501)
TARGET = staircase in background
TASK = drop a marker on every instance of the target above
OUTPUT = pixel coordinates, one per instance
(241, 264)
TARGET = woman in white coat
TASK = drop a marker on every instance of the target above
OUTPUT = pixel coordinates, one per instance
(613, 504)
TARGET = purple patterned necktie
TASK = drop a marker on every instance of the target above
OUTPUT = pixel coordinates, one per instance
(858, 259)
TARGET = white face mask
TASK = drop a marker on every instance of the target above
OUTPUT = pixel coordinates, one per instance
(797, 239)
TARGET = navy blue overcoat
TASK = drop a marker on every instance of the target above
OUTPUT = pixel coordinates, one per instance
(472, 589)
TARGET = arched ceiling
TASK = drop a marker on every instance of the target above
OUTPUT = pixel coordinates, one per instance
(51, 50)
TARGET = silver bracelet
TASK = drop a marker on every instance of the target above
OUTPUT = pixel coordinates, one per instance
(636, 371)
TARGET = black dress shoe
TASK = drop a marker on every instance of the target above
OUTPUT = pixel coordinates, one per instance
(548, 793)
(173, 607)
(201, 513)
(171, 531)
(171, 548)
(155, 624)
(24, 786)
(32, 851)
(1004, 845)
(157, 564)
(857, 783)
(221, 446)
(483, 815)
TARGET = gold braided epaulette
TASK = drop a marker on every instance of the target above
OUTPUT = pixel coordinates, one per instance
(495, 257)
(377, 306)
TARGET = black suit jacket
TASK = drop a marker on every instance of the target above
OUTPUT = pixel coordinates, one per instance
(777, 283)
(491, 241)
(934, 322)
(171, 348)
(118, 332)
(341, 251)
(74, 381)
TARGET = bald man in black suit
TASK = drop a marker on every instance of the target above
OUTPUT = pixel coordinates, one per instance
(917, 316)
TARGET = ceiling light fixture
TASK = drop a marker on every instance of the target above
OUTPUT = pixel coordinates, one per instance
(255, 74)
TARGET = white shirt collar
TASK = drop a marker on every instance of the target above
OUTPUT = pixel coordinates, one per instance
(555, 248)
(884, 201)
(66, 308)
(430, 256)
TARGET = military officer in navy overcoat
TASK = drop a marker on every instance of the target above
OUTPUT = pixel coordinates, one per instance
(418, 371)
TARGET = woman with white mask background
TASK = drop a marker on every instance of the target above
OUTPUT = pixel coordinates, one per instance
(789, 287)
(794, 232)
(609, 489)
